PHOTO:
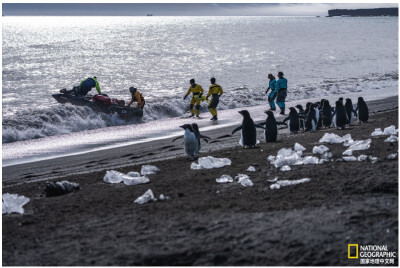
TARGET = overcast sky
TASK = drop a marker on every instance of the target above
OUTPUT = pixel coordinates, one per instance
(179, 9)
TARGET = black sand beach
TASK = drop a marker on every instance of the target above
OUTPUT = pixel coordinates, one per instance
(205, 223)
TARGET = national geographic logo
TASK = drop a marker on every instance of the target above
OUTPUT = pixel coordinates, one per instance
(371, 254)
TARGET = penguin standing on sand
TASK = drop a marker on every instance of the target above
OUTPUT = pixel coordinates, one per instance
(190, 143)
(349, 111)
(301, 111)
(339, 116)
(311, 120)
(271, 127)
(199, 136)
(294, 121)
(362, 109)
(248, 129)
(326, 114)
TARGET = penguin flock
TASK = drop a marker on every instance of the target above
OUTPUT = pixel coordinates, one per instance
(316, 116)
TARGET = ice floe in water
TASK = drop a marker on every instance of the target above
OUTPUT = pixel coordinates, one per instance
(391, 156)
(145, 198)
(224, 179)
(377, 132)
(283, 183)
(251, 169)
(320, 149)
(334, 138)
(149, 169)
(209, 162)
(298, 147)
(390, 130)
(286, 168)
(349, 158)
(392, 139)
(13, 203)
(113, 176)
(244, 180)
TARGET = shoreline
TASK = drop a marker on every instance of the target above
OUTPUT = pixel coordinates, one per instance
(135, 154)
(206, 223)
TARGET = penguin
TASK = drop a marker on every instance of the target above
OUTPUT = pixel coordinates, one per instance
(326, 114)
(362, 109)
(319, 107)
(301, 111)
(349, 111)
(339, 116)
(190, 143)
(311, 120)
(249, 134)
(294, 121)
(271, 127)
(341, 100)
(199, 136)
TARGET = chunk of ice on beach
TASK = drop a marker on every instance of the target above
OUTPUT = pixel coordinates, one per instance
(209, 162)
(362, 157)
(13, 203)
(334, 138)
(244, 180)
(135, 180)
(391, 156)
(251, 169)
(357, 146)
(273, 180)
(271, 158)
(320, 149)
(133, 174)
(283, 183)
(163, 197)
(113, 176)
(145, 198)
(310, 160)
(224, 179)
(149, 169)
(331, 138)
(286, 168)
(392, 139)
(373, 159)
(327, 155)
(286, 156)
(299, 147)
(377, 132)
(390, 130)
(349, 158)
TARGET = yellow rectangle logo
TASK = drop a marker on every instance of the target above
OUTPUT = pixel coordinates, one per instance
(350, 252)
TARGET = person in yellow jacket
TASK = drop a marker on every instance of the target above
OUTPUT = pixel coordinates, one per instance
(138, 97)
(197, 91)
(215, 91)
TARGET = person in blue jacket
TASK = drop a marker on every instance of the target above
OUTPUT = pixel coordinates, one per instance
(281, 89)
(87, 85)
(272, 95)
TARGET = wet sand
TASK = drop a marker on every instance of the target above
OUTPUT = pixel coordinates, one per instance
(205, 223)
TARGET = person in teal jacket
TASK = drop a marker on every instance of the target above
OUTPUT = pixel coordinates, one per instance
(272, 95)
(281, 89)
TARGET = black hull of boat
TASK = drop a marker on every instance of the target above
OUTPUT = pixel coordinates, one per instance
(126, 113)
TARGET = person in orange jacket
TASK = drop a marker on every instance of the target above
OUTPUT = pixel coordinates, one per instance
(136, 96)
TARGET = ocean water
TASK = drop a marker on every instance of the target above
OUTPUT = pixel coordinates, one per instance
(158, 55)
